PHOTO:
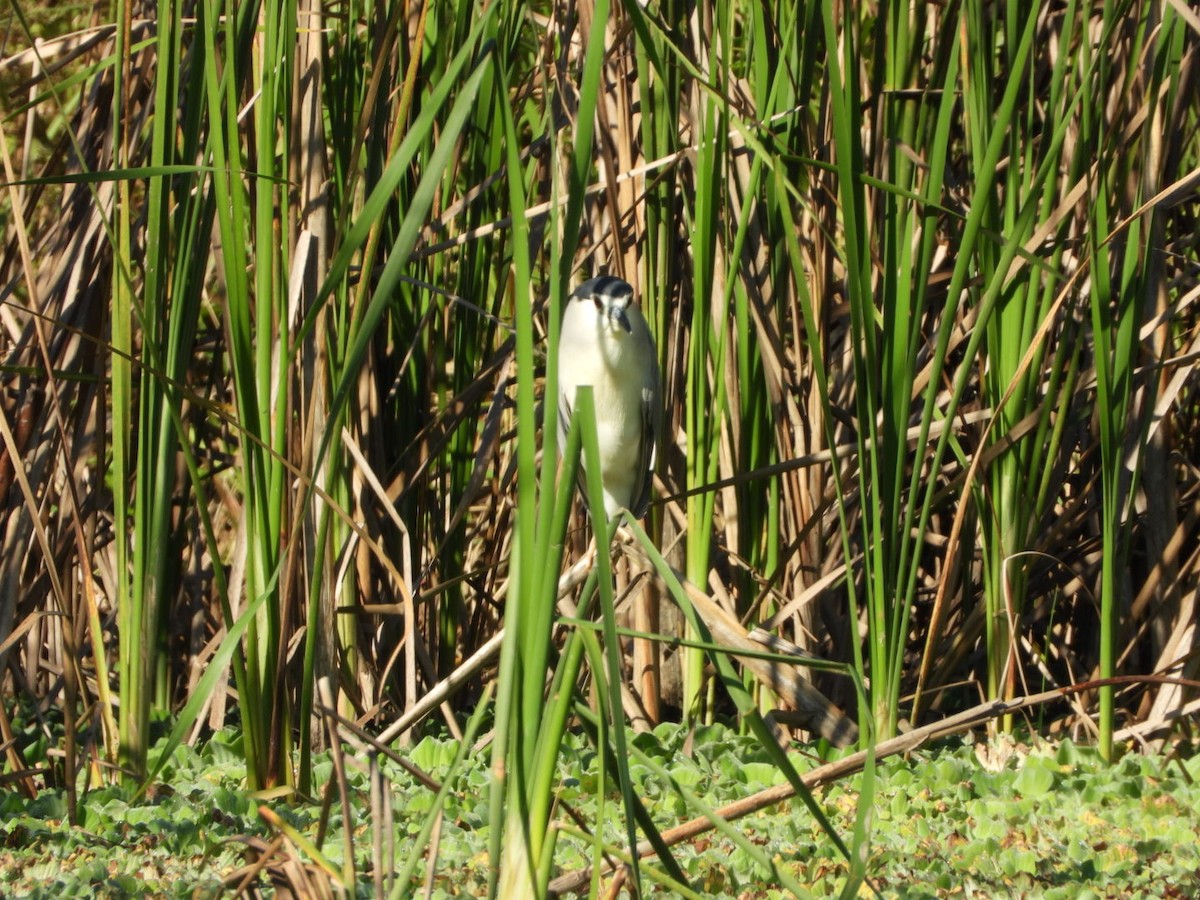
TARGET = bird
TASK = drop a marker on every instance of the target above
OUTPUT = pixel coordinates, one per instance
(605, 342)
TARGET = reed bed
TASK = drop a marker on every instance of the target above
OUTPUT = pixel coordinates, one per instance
(278, 286)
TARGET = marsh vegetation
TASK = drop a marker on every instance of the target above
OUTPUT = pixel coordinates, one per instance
(277, 288)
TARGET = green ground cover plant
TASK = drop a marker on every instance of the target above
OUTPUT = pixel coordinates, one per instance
(966, 817)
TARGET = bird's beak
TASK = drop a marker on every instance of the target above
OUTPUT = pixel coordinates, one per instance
(617, 314)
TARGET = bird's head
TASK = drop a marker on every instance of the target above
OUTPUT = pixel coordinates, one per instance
(611, 298)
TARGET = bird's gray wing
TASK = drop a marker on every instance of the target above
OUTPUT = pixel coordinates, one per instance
(647, 450)
(564, 424)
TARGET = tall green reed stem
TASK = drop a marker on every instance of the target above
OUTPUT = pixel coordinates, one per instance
(1125, 289)
(528, 733)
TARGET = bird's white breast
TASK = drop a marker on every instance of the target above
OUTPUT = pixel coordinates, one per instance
(595, 350)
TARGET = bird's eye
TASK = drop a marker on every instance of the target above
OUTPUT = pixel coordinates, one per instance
(599, 304)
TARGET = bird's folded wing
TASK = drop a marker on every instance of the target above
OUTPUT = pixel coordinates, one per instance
(647, 453)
